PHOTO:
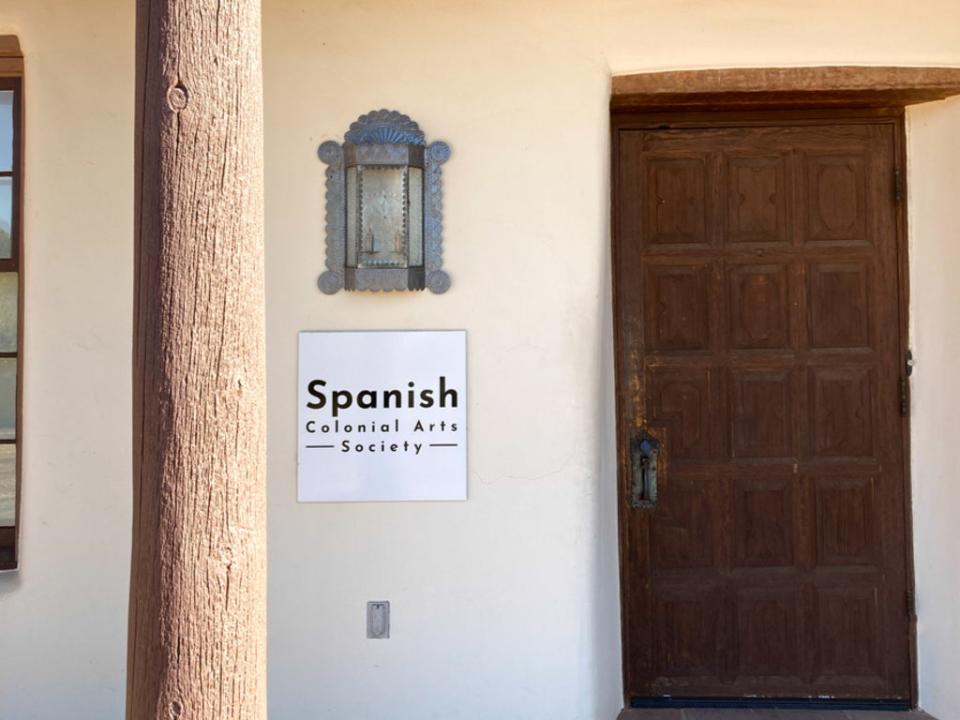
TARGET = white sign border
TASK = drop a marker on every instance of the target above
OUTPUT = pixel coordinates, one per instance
(466, 413)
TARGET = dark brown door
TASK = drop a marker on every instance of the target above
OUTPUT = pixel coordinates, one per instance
(758, 305)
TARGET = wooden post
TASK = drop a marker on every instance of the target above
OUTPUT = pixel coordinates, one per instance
(197, 628)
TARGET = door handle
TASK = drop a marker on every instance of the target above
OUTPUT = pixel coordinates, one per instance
(644, 453)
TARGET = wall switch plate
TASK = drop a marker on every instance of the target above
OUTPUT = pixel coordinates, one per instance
(378, 620)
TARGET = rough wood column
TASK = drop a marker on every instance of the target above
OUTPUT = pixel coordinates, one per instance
(197, 628)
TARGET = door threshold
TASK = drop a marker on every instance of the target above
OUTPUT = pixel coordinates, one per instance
(770, 703)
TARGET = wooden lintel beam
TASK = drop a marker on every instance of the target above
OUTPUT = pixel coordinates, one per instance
(11, 57)
(760, 88)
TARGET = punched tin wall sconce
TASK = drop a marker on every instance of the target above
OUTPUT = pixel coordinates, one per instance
(384, 222)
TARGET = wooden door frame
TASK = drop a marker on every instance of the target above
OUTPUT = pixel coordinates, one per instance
(631, 118)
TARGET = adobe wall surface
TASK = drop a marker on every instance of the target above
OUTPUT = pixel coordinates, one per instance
(505, 606)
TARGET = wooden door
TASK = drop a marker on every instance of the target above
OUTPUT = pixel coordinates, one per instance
(758, 295)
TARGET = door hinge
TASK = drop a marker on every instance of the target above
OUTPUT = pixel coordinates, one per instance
(905, 384)
(897, 185)
(911, 605)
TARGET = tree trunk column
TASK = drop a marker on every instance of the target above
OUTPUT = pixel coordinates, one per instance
(197, 628)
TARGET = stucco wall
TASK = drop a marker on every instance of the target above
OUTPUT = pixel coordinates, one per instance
(63, 616)
(504, 606)
(934, 189)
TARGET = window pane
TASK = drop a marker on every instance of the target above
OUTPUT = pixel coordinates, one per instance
(8, 484)
(6, 129)
(8, 312)
(6, 213)
(8, 398)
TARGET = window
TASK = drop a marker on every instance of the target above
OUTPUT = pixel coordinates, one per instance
(10, 315)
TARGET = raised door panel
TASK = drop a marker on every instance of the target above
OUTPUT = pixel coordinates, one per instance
(682, 534)
(848, 631)
(839, 295)
(842, 417)
(847, 521)
(769, 630)
(687, 631)
(758, 306)
(763, 522)
(677, 307)
(757, 199)
(761, 411)
(836, 192)
(681, 400)
(675, 201)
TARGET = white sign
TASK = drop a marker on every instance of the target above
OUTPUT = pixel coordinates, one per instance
(383, 416)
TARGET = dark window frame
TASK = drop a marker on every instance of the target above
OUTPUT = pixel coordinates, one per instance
(9, 536)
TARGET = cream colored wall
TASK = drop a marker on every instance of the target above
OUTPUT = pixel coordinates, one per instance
(934, 191)
(63, 615)
(506, 605)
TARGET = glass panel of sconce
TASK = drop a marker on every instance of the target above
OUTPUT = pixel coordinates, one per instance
(382, 223)
(384, 216)
(415, 223)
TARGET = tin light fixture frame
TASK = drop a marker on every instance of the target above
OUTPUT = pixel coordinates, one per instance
(384, 139)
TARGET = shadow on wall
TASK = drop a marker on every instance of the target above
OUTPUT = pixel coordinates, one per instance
(605, 585)
(10, 582)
